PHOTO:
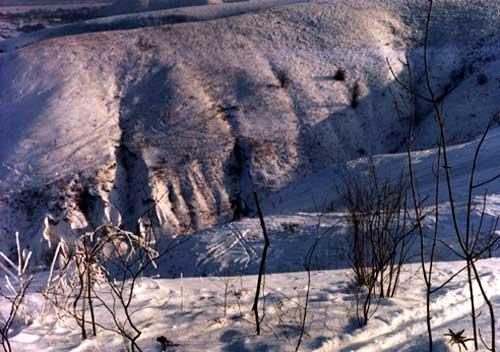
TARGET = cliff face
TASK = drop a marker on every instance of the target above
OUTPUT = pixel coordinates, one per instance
(175, 123)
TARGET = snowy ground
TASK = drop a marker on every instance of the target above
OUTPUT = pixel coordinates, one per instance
(190, 312)
(68, 100)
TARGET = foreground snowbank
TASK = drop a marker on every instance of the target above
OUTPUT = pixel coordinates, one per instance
(190, 312)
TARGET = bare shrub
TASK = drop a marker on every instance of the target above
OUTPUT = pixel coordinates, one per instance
(289, 314)
(17, 281)
(291, 227)
(145, 44)
(482, 79)
(474, 242)
(355, 95)
(380, 235)
(308, 264)
(262, 267)
(103, 266)
(283, 78)
(340, 75)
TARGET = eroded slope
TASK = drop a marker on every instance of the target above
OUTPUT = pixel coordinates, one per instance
(176, 122)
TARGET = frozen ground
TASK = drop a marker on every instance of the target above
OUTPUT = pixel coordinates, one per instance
(154, 105)
(190, 312)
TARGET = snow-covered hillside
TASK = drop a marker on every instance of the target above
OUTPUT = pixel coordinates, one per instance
(186, 114)
(162, 117)
(201, 294)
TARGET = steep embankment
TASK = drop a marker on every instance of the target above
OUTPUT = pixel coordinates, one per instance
(175, 121)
